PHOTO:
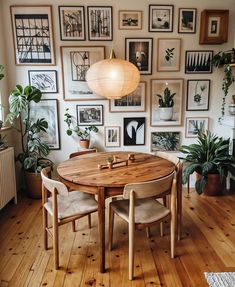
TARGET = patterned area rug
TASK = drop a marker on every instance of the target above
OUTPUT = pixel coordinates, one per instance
(221, 279)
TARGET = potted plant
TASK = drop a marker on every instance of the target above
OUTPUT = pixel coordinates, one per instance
(225, 59)
(210, 159)
(166, 104)
(34, 152)
(84, 135)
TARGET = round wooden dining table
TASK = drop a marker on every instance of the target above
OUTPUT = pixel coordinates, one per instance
(90, 173)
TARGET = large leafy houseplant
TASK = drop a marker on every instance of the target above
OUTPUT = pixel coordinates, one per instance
(210, 155)
(34, 151)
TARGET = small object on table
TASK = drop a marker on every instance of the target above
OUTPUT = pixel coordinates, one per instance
(131, 157)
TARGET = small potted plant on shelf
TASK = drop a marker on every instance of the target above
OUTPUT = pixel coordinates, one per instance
(33, 156)
(84, 135)
(166, 103)
(210, 159)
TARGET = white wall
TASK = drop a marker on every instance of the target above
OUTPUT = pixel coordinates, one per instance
(19, 74)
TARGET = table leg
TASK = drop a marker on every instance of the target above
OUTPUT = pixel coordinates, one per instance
(101, 227)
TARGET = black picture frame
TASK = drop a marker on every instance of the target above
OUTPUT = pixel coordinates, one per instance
(45, 80)
(161, 18)
(187, 18)
(90, 115)
(198, 61)
(134, 131)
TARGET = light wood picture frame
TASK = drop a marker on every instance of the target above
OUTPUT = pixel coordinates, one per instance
(161, 18)
(187, 20)
(194, 125)
(168, 54)
(32, 32)
(112, 136)
(130, 19)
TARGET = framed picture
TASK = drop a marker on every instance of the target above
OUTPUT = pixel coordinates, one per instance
(130, 19)
(214, 27)
(44, 80)
(89, 115)
(138, 51)
(134, 131)
(134, 102)
(165, 141)
(72, 23)
(170, 115)
(112, 136)
(168, 57)
(161, 18)
(100, 23)
(198, 61)
(196, 125)
(187, 20)
(47, 109)
(32, 35)
(76, 60)
(198, 92)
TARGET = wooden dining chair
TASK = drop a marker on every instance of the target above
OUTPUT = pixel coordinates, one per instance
(63, 206)
(139, 209)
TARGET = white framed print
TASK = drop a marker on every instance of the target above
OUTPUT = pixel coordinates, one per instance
(44, 80)
(89, 115)
(130, 19)
(112, 136)
(194, 125)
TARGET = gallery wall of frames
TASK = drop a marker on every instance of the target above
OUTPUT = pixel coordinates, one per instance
(52, 44)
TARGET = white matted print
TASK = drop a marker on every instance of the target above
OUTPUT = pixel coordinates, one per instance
(89, 115)
(134, 102)
(112, 136)
(196, 125)
(187, 20)
(130, 19)
(44, 80)
(169, 51)
(165, 141)
(161, 18)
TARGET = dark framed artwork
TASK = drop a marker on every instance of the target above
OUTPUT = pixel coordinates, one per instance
(130, 19)
(44, 80)
(187, 20)
(165, 141)
(100, 23)
(134, 131)
(47, 109)
(32, 35)
(89, 115)
(112, 136)
(161, 18)
(198, 95)
(214, 27)
(72, 23)
(195, 125)
(198, 61)
(138, 51)
(76, 60)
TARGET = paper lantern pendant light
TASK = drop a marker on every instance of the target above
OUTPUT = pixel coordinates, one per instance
(113, 78)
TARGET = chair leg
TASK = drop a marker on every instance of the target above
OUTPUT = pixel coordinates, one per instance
(161, 228)
(173, 220)
(111, 223)
(45, 226)
(89, 220)
(73, 225)
(131, 251)
(148, 231)
(56, 244)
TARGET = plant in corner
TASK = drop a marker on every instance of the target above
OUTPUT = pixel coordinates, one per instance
(210, 159)
(166, 103)
(84, 135)
(34, 151)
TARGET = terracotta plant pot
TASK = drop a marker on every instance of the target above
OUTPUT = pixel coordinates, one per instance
(84, 143)
(33, 184)
(214, 185)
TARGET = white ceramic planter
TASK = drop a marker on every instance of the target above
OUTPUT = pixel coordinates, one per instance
(166, 113)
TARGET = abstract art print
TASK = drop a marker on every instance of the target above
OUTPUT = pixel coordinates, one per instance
(112, 136)
(187, 20)
(130, 19)
(100, 23)
(89, 115)
(195, 126)
(198, 62)
(44, 80)
(76, 60)
(72, 23)
(33, 35)
(134, 131)
(165, 141)
(161, 18)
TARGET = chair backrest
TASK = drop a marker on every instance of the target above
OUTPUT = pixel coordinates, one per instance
(51, 184)
(149, 188)
(171, 157)
(77, 153)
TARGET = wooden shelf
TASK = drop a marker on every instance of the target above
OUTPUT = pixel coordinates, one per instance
(232, 65)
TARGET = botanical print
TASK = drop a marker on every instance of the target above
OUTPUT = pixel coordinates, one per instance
(72, 25)
(45, 81)
(165, 141)
(187, 20)
(196, 125)
(130, 20)
(112, 136)
(134, 131)
(198, 95)
(160, 18)
(90, 115)
(198, 62)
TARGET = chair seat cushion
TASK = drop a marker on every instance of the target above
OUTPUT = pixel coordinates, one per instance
(75, 203)
(147, 210)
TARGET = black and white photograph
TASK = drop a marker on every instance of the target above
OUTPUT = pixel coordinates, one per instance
(47, 109)
(44, 80)
(72, 23)
(139, 52)
(100, 23)
(33, 35)
(198, 95)
(130, 19)
(165, 141)
(88, 115)
(198, 61)
(134, 131)
(196, 125)
(112, 136)
(187, 20)
(161, 18)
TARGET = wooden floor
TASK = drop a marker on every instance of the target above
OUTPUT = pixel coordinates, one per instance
(208, 244)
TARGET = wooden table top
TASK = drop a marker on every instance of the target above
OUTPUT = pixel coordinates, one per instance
(84, 169)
